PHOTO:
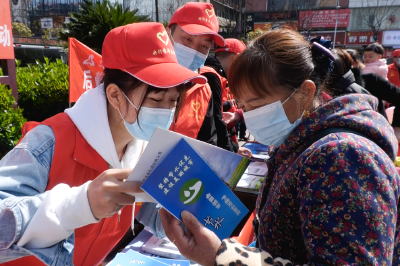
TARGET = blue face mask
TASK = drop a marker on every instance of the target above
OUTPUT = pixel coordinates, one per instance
(188, 57)
(149, 120)
(269, 124)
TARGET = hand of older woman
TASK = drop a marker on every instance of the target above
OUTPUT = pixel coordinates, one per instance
(244, 152)
(199, 244)
(230, 119)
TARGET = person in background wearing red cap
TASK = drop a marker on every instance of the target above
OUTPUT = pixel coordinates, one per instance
(394, 69)
(215, 70)
(63, 194)
(193, 29)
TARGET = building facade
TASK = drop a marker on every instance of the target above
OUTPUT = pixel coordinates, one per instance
(350, 23)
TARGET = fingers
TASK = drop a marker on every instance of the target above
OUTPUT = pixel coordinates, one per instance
(165, 216)
(244, 152)
(123, 199)
(173, 228)
(166, 222)
(191, 222)
(130, 187)
(119, 174)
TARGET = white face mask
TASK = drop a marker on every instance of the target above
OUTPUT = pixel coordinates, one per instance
(188, 57)
(149, 120)
(269, 124)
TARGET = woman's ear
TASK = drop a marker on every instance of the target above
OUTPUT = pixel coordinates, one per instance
(308, 92)
(115, 97)
(169, 32)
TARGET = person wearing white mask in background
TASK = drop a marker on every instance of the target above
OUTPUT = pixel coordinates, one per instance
(63, 186)
(193, 29)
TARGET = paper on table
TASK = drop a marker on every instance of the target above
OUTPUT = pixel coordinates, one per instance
(251, 182)
(162, 247)
(257, 168)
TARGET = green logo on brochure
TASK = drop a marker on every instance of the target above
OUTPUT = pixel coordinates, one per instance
(191, 191)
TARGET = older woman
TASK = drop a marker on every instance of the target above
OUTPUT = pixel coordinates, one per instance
(331, 193)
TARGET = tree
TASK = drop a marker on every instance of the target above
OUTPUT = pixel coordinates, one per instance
(95, 19)
(50, 33)
(21, 30)
(376, 12)
(253, 35)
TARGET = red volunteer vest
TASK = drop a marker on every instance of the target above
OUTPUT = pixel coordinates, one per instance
(225, 92)
(193, 111)
(74, 163)
(393, 75)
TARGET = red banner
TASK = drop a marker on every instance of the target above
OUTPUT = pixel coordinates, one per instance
(6, 40)
(362, 38)
(324, 18)
(388, 53)
(85, 69)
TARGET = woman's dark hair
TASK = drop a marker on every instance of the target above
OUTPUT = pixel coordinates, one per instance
(128, 84)
(278, 60)
(342, 64)
(354, 55)
(375, 47)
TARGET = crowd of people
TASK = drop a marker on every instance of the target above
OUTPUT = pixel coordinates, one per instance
(331, 193)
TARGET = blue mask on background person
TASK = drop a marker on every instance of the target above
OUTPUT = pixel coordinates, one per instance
(189, 58)
(149, 120)
(269, 124)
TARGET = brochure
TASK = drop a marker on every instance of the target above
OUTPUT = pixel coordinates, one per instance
(162, 247)
(135, 258)
(250, 183)
(142, 238)
(256, 168)
(259, 151)
(173, 262)
(227, 165)
(184, 181)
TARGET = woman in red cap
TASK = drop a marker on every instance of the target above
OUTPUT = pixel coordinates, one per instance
(64, 183)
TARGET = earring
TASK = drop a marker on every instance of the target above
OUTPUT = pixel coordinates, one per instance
(306, 113)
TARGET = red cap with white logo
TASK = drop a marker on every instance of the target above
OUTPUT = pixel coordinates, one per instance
(232, 46)
(144, 50)
(198, 19)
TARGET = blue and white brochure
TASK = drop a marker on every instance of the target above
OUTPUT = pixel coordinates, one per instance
(227, 165)
(184, 181)
(135, 258)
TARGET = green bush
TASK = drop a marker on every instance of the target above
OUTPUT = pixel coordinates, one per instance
(11, 121)
(42, 89)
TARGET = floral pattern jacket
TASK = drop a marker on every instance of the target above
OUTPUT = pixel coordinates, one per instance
(333, 203)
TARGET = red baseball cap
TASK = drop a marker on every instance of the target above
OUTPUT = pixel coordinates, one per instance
(198, 19)
(144, 50)
(396, 53)
(232, 46)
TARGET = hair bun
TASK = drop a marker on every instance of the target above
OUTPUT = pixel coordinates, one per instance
(323, 50)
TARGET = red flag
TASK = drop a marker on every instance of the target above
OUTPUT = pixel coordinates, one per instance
(6, 39)
(85, 69)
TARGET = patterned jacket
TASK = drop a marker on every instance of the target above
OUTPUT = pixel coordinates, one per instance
(336, 202)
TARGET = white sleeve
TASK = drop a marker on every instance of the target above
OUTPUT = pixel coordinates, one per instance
(64, 209)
